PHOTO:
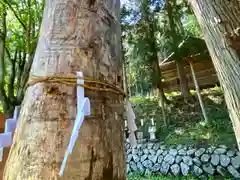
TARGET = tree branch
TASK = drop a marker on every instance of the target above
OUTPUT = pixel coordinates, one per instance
(16, 15)
(24, 77)
(11, 79)
(21, 64)
(29, 28)
(8, 53)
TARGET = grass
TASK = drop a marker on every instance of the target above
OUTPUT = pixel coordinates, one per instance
(138, 177)
(186, 124)
(200, 133)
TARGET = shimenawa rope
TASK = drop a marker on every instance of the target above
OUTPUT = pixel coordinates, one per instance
(72, 80)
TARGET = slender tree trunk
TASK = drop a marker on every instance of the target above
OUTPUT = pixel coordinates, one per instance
(162, 98)
(163, 108)
(75, 36)
(3, 97)
(19, 86)
(128, 69)
(179, 61)
(3, 32)
(158, 79)
(220, 22)
(137, 89)
(183, 79)
(12, 79)
(125, 83)
(128, 78)
(125, 79)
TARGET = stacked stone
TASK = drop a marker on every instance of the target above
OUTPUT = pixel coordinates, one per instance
(150, 158)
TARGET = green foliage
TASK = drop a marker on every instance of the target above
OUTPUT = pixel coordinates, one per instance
(141, 49)
(159, 177)
(191, 26)
(210, 133)
(189, 48)
(138, 177)
(186, 122)
(148, 36)
(20, 35)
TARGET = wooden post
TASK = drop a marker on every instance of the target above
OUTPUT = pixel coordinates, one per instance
(198, 91)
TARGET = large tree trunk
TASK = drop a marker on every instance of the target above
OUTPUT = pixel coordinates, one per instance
(219, 19)
(75, 36)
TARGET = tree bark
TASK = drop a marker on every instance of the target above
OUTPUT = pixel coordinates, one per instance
(219, 20)
(185, 91)
(75, 36)
(128, 70)
(183, 79)
(125, 79)
(159, 85)
(3, 32)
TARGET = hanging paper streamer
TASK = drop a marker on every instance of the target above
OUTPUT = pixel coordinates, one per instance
(10, 126)
(131, 123)
(83, 109)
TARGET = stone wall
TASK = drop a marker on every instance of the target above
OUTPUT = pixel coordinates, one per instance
(157, 158)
